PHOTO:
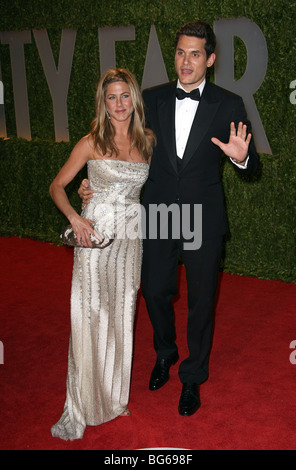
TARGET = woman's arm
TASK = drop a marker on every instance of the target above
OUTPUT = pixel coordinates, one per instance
(80, 154)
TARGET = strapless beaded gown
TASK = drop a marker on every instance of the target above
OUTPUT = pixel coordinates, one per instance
(103, 296)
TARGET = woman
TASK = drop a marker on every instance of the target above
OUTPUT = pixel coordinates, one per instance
(105, 281)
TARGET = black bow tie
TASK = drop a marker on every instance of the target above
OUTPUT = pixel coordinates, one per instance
(193, 95)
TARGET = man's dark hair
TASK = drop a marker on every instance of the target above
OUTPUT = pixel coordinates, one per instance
(200, 30)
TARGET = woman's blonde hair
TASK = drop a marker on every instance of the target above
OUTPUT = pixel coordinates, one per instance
(103, 132)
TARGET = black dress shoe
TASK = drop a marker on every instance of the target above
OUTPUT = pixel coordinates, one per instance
(189, 401)
(160, 373)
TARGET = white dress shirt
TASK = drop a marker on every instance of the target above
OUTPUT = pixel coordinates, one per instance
(184, 115)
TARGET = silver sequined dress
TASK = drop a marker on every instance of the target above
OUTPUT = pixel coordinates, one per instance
(104, 289)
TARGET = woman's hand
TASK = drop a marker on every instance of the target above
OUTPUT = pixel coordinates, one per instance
(83, 228)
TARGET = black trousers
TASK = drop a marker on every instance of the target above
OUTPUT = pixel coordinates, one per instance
(159, 286)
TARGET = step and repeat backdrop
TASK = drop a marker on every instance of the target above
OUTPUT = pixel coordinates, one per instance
(51, 57)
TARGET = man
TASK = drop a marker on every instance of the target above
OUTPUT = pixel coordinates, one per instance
(192, 132)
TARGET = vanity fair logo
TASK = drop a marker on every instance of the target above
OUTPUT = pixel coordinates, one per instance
(58, 74)
(129, 220)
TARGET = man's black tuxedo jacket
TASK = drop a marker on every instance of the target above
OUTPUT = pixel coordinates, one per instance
(198, 180)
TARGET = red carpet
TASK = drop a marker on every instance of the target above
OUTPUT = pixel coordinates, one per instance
(247, 403)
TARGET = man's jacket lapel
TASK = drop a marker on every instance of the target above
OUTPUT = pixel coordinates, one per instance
(166, 116)
(204, 116)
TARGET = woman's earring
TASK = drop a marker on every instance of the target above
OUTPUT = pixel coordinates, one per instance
(108, 115)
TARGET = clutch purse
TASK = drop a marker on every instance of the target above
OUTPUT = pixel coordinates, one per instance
(69, 238)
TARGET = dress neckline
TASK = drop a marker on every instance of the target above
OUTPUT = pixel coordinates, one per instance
(113, 160)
